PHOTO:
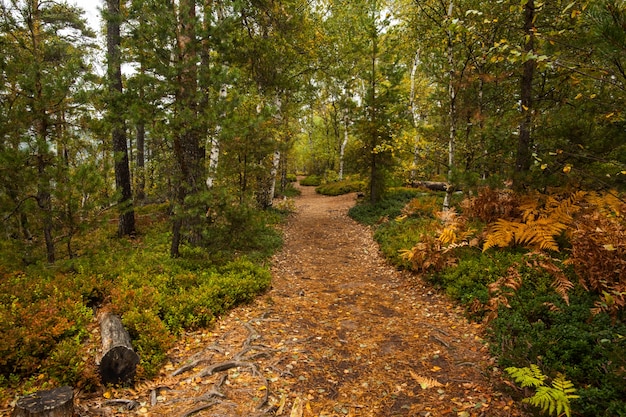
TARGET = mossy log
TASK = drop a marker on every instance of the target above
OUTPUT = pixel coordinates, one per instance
(58, 402)
(118, 363)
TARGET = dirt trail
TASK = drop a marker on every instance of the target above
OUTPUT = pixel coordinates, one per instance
(341, 333)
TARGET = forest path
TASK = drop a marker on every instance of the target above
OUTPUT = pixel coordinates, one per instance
(340, 333)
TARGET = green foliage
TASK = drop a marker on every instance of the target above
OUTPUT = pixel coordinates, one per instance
(340, 187)
(520, 295)
(468, 281)
(45, 313)
(311, 181)
(552, 400)
(394, 236)
(389, 207)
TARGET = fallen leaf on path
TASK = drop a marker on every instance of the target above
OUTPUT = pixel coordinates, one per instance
(296, 410)
(425, 382)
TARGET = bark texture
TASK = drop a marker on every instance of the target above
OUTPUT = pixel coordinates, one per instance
(119, 361)
(58, 402)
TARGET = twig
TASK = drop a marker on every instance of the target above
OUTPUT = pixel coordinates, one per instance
(198, 409)
(128, 404)
(443, 342)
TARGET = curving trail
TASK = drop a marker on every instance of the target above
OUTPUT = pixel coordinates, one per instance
(341, 333)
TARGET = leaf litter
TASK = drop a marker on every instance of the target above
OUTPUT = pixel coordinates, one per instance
(340, 333)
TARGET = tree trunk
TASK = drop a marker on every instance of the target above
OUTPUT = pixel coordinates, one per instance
(119, 361)
(344, 143)
(126, 225)
(58, 402)
(141, 161)
(452, 111)
(273, 173)
(524, 144)
(188, 152)
(416, 115)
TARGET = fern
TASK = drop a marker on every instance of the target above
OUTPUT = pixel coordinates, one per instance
(527, 377)
(555, 399)
(542, 221)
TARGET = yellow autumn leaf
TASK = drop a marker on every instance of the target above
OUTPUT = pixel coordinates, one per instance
(567, 168)
(296, 410)
(281, 405)
(578, 96)
(544, 166)
(609, 247)
(107, 395)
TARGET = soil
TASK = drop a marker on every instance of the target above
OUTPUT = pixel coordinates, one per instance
(340, 333)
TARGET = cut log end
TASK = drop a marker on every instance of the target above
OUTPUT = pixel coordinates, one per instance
(58, 402)
(119, 361)
(118, 365)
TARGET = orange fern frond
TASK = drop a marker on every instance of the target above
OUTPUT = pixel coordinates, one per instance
(502, 233)
(501, 290)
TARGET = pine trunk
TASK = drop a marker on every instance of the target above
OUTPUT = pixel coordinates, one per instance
(126, 225)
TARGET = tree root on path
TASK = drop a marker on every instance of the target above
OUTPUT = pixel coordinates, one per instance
(244, 358)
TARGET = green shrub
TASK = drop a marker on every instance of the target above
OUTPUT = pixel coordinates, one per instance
(340, 187)
(388, 208)
(45, 312)
(468, 280)
(311, 181)
(540, 327)
(394, 236)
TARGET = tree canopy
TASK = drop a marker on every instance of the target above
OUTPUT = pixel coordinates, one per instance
(220, 100)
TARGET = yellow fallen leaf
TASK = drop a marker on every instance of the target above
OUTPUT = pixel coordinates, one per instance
(107, 395)
(296, 410)
(281, 405)
(435, 369)
(567, 169)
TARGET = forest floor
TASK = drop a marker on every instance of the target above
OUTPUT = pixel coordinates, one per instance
(340, 333)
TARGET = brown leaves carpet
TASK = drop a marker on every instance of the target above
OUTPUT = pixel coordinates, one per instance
(341, 333)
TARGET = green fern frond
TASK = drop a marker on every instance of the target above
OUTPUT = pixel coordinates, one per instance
(527, 377)
(552, 400)
(564, 385)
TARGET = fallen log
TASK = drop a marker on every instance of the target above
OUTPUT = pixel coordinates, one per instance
(58, 402)
(431, 185)
(118, 363)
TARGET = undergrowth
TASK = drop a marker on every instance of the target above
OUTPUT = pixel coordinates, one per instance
(340, 187)
(546, 274)
(47, 313)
